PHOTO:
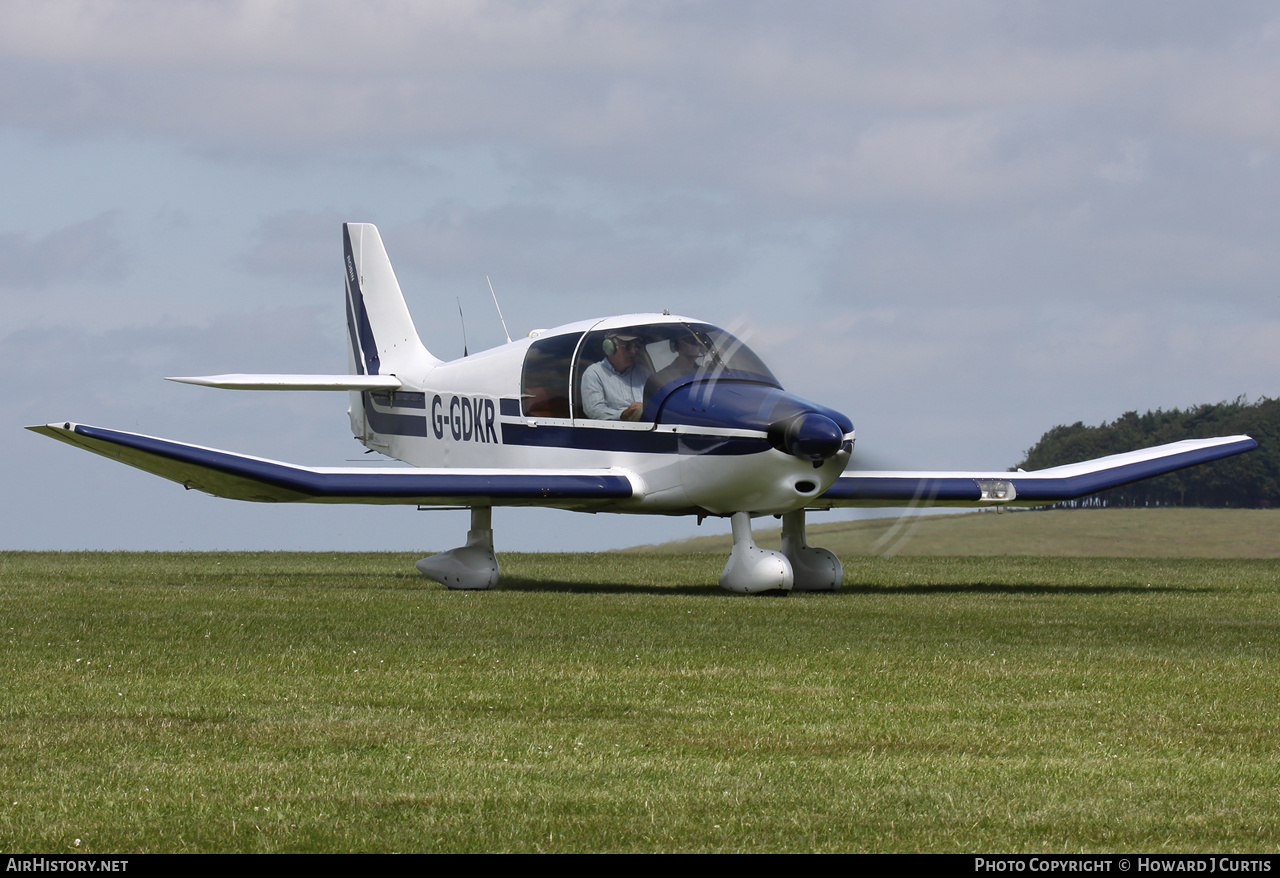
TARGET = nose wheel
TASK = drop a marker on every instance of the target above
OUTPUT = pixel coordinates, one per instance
(812, 568)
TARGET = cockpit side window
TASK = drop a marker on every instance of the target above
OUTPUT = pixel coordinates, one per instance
(610, 375)
(544, 382)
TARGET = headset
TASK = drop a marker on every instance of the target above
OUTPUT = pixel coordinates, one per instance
(610, 345)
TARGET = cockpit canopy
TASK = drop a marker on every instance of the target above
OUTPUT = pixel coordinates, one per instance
(663, 356)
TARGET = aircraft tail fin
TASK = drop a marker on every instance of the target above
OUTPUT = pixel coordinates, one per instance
(381, 337)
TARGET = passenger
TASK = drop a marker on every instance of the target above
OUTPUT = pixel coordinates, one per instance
(688, 350)
(613, 389)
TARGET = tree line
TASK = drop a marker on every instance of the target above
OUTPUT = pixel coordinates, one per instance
(1246, 480)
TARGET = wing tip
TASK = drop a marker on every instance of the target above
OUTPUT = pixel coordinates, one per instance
(53, 429)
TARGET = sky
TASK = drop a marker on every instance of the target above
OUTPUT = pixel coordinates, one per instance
(960, 223)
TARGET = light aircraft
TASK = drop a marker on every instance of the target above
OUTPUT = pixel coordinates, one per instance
(525, 424)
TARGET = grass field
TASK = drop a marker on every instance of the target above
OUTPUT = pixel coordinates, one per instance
(303, 702)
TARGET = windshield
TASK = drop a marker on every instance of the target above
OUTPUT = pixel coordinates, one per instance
(680, 349)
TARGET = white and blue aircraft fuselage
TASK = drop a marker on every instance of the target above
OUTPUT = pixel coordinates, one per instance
(640, 413)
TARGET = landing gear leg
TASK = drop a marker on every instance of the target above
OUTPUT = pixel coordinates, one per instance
(814, 569)
(752, 569)
(473, 566)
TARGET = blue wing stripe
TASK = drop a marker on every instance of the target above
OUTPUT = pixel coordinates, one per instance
(406, 486)
(1036, 487)
(1069, 488)
(904, 488)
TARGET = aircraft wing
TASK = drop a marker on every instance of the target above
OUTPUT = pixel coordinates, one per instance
(1019, 488)
(294, 382)
(240, 477)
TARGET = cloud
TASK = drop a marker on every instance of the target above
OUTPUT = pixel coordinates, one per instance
(552, 247)
(298, 244)
(542, 245)
(960, 222)
(86, 252)
(841, 104)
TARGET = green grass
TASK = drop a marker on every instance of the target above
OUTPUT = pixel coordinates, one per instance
(1092, 533)
(304, 702)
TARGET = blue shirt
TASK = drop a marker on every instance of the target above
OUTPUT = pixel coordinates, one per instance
(607, 393)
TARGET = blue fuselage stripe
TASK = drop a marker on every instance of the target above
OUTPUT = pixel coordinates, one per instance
(634, 441)
(580, 438)
(736, 402)
(391, 424)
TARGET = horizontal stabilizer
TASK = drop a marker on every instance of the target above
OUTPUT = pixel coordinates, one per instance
(1038, 488)
(240, 477)
(295, 382)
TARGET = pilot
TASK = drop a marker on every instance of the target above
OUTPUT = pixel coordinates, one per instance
(613, 389)
(687, 349)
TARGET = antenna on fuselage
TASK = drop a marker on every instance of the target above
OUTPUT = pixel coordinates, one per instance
(464, 326)
(499, 307)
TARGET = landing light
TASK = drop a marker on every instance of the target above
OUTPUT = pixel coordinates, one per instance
(997, 490)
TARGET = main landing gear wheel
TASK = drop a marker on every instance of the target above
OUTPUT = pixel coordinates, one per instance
(473, 566)
(812, 568)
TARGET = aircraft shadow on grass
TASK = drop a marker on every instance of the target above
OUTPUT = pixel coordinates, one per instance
(939, 588)
(517, 583)
(1017, 589)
